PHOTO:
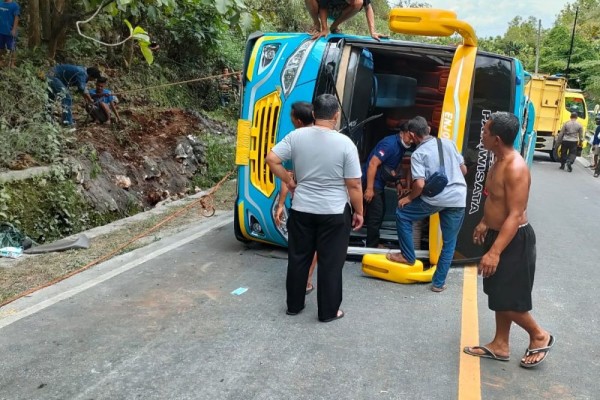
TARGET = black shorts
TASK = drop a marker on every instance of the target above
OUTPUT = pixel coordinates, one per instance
(509, 289)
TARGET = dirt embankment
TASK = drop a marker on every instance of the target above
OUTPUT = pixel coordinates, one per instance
(152, 156)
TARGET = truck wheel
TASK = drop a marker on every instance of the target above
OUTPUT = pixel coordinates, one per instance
(236, 226)
(555, 154)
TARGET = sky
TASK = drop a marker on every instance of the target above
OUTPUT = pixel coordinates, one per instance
(491, 17)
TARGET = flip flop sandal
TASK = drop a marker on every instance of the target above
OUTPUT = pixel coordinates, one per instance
(288, 312)
(341, 315)
(487, 353)
(544, 350)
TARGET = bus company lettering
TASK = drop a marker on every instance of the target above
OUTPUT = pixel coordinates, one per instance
(447, 121)
(482, 161)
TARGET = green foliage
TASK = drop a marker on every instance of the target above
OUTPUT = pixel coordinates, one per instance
(25, 126)
(49, 207)
(220, 156)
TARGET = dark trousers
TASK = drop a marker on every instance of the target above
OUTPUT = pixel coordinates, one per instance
(328, 235)
(568, 152)
(374, 217)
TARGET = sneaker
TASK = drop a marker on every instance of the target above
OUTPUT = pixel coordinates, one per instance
(562, 166)
(437, 289)
(569, 168)
(596, 175)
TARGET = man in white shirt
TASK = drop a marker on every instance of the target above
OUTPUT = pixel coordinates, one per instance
(328, 172)
(450, 203)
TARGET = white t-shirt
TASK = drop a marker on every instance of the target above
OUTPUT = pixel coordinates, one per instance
(426, 160)
(322, 159)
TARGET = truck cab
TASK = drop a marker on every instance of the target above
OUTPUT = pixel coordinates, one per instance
(554, 102)
(456, 88)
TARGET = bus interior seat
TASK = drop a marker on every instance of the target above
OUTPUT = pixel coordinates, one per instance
(432, 84)
(395, 91)
(432, 112)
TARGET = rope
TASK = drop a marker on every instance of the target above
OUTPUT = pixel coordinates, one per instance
(176, 83)
(205, 201)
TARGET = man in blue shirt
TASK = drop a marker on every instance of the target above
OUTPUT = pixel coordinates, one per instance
(63, 76)
(386, 155)
(104, 102)
(9, 21)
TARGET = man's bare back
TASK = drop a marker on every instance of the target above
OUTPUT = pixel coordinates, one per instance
(507, 177)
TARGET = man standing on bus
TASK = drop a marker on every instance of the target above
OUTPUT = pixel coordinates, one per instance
(449, 203)
(339, 11)
(508, 265)
(327, 170)
(569, 138)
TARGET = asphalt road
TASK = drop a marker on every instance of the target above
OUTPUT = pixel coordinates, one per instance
(163, 322)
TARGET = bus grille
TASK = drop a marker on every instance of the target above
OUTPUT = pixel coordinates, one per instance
(262, 140)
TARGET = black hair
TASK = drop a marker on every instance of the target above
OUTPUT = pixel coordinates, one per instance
(574, 115)
(418, 125)
(404, 126)
(102, 79)
(325, 106)
(505, 125)
(93, 73)
(303, 111)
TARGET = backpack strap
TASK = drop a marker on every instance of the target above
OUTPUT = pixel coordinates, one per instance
(439, 145)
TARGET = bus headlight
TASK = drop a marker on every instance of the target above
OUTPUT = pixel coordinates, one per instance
(268, 54)
(293, 66)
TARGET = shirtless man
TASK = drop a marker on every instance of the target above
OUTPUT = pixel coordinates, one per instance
(508, 266)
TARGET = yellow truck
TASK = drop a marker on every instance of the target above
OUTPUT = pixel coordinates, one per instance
(553, 102)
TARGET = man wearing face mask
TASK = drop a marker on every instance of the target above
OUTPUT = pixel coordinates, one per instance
(386, 156)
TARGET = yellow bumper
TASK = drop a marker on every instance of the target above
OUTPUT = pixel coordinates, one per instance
(378, 266)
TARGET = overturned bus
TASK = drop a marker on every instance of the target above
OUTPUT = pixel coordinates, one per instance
(456, 88)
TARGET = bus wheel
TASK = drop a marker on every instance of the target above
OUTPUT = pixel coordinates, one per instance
(236, 226)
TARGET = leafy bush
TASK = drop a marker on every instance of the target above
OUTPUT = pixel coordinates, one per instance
(220, 153)
(49, 207)
(25, 126)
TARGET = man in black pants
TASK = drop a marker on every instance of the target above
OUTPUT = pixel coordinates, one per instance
(327, 171)
(569, 137)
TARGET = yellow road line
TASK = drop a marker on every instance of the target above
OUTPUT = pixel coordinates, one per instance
(469, 374)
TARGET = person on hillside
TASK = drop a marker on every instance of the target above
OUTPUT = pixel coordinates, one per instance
(302, 116)
(227, 84)
(339, 11)
(508, 265)
(104, 103)
(450, 203)
(63, 76)
(327, 170)
(569, 138)
(9, 22)
(386, 156)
